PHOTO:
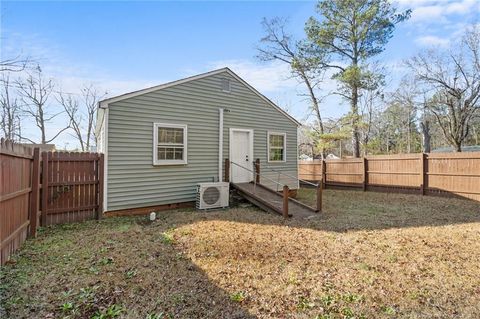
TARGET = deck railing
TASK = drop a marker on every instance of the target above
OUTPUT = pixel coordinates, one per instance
(256, 170)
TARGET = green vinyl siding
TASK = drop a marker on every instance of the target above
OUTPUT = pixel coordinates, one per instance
(133, 180)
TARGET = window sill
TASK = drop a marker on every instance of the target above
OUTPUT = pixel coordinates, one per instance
(276, 162)
(169, 163)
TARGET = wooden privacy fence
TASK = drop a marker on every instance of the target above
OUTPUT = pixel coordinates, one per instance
(73, 184)
(45, 189)
(446, 174)
(18, 211)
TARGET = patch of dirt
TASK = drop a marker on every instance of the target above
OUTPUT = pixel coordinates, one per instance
(369, 255)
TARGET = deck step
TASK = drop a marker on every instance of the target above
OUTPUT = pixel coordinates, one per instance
(271, 201)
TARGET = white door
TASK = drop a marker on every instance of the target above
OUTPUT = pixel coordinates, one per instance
(241, 155)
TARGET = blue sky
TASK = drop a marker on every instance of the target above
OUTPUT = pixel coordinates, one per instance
(123, 46)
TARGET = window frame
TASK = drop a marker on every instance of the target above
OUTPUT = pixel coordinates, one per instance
(156, 161)
(284, 134)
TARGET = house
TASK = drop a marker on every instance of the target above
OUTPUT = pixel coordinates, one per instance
(449, 149)
(161, 141)
(42, 147)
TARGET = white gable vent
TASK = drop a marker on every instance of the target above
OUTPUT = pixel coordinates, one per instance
(226, 85)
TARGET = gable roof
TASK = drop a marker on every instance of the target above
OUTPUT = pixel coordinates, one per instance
(104, 103)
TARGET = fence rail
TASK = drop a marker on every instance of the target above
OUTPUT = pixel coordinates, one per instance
(444, 174)
(45, 189)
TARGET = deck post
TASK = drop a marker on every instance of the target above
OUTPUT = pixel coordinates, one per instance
(257, 171)
(227, 171)
(35, 194)
(365, 174)
(319, 197)
(285, 201)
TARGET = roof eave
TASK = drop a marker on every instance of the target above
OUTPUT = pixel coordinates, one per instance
(104, 103)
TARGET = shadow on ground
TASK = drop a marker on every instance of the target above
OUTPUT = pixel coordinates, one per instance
(141, 268)
(119, 264)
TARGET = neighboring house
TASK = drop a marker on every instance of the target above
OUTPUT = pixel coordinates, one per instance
(448, 149)
(332, 156)
(161, 141)
(42, 147)
(305, 157)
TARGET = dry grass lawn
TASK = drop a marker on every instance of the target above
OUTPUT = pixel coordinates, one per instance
(369, 255)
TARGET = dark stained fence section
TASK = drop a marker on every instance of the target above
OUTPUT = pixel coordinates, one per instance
(46, 189)
(71, 183)
(15, 191)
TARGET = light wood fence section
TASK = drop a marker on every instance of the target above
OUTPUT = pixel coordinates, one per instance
(445, 174)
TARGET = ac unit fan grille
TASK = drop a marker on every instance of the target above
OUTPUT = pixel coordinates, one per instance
(211, 195)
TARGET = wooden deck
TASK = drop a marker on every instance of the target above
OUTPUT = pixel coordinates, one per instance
(272, 201)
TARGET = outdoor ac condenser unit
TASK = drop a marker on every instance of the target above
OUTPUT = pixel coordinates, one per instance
(212, 195)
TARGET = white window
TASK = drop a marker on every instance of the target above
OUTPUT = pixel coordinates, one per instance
(277, 147)
(169, 144)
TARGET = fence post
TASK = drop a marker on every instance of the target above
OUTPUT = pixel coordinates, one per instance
(257, 171)
(43, 220)
(285, 201)
(324, 174)
(423, 173)
(35, 193)
(319, 197)
(365, 173)
(101, 181)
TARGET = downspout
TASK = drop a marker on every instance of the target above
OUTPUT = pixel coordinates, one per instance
(105, 155)
(220, 143)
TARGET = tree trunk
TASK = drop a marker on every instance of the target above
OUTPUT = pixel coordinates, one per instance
(458, 146)
(426, 137)
(355, 133)
(316, 108)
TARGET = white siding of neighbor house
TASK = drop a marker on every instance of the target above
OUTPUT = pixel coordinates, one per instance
(132, 179)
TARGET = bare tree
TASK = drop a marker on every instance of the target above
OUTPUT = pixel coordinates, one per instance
(82, 114)
(370, 102)
(35, 92)
(10, 111)
(71, 106)
(16, 64)
(453, 78)
(425, 125)
(278, 45)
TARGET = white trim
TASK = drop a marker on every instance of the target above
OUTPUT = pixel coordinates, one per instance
(284, 146)
(220, 143)
(104, 103)
(156, 161)
(250, 151)
(105, 159)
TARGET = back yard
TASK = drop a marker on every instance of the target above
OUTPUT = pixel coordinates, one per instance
(369, 255)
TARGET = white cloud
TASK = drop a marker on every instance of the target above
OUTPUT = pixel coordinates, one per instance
(438, 11)
(267, 77)
(431, 40)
